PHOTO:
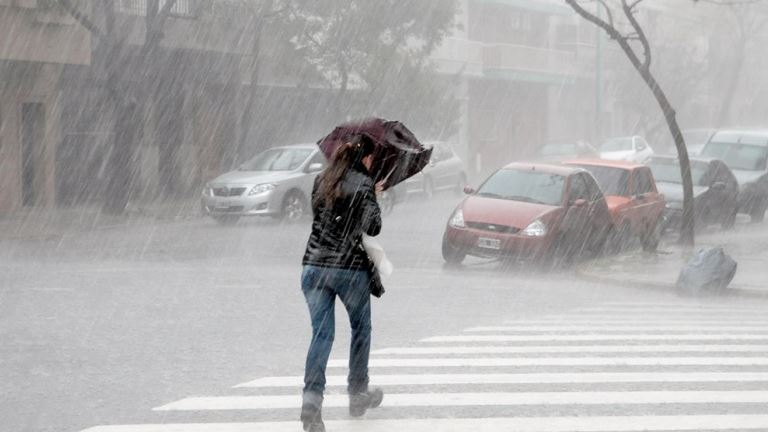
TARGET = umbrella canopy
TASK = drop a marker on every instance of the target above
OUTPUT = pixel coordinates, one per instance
(398, 153)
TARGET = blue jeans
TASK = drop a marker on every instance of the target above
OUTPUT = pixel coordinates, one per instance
(321, 285)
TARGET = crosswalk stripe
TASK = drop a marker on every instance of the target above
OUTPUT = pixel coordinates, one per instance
(604, 320)
(594, 337)
(673, 306)
(558, 361)
(506, 349)
(572, 328)
(478, 399)
(521, 378)
(653, 316)
(672, 309)
(517, 424)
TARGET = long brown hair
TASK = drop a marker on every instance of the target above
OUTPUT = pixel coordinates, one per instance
(355, 148)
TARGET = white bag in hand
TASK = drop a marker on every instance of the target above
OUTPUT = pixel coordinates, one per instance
(376, 253)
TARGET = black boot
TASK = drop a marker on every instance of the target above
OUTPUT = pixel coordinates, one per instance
(311, 412)
(360, 402)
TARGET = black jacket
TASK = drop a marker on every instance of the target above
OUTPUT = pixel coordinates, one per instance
(337, 231)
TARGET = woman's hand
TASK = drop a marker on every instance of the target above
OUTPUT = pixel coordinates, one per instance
(379, 187)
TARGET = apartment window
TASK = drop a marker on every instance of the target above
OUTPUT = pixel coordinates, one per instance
(181, 9)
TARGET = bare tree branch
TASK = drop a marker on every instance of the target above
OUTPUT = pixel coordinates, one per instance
(608, 11)
(82, 18)
(630, 13)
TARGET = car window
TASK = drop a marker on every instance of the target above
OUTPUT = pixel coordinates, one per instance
(643, 182)
(578, 189)
(612, 181)
(593, 190)
(738, 156)
(280, 159)
(524, 185)
(319, 157)
(640, 144)
(668, 171)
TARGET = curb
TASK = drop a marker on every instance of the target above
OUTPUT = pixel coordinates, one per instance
(592, 276)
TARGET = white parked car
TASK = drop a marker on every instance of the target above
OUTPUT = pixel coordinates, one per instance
(631, 148)
(276, 183)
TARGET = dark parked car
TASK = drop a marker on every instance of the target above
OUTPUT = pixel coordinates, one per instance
(715, 191)
(746, 154)
(530, 211)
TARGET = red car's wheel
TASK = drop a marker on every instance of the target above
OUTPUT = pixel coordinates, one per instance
(453, 255)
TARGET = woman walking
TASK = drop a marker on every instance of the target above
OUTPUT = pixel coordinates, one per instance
(335, 264)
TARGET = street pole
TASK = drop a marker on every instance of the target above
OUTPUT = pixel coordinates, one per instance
(598, 79)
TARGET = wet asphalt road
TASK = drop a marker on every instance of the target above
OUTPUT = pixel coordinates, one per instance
(101, 327)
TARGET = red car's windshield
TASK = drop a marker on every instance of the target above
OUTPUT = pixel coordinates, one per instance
(524, 185)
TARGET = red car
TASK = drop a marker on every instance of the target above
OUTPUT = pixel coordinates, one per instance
(529, 211)
(635, 204)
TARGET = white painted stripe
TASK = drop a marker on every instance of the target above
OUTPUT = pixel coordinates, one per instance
(671, 311)
(517, 424)
(558, 361)
(662, 328)
(700, 306)
(603, 320)
(676, 305)
(502, 349)
(215, 403)
(594, 337)
(520, 378)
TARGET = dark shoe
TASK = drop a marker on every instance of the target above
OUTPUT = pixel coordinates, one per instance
(360, 402)
(311, 413)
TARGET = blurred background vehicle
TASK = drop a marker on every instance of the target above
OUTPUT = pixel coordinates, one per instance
(635, 204)
(529, 211)
(746, 154)
(696, 139)
(566, 150)
(715, 191)
(277, 182)
(630, 148)
(444, 172)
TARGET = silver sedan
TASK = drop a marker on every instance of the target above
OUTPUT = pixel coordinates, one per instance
(276, 183)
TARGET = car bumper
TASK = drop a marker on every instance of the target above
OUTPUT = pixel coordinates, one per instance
(257, 205)
(512, 246)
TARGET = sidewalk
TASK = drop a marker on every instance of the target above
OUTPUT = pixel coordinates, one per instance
(52, 223)
(747, 245)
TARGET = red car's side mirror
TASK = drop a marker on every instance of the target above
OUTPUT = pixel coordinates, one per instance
(469, 190)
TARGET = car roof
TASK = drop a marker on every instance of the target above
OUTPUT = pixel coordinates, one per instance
(703, 159)
(297, 146)
(737, 135)
(605, 163)
(544, 167)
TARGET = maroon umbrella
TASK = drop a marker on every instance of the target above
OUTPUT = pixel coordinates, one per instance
(398, 153)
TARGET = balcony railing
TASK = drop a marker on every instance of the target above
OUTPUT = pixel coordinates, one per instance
(523, 58)
(181, 9)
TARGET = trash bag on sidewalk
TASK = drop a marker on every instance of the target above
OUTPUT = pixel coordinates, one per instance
(708, 272)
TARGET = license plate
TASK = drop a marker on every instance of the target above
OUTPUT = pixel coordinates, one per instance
(221, 208)
(489, 243)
